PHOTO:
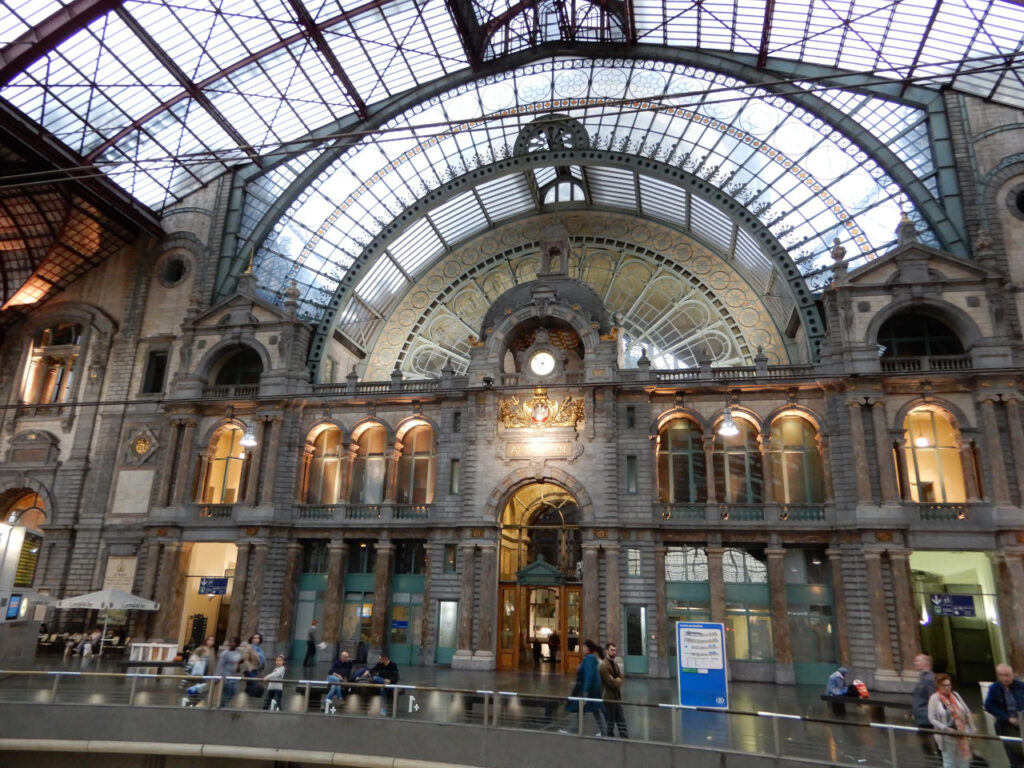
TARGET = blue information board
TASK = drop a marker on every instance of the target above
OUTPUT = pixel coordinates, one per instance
(209, 586)
(952, 605)
(700, 653)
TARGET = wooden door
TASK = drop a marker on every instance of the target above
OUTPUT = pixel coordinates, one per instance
(508, 626)
(571, 617)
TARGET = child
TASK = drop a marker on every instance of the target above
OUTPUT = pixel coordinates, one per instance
(274, 685)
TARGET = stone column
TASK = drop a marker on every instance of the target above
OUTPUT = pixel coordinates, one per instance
(254, 458)
(272, 435)
(708, 444)
(860, 454)
(841, 631)
(488, 610)
(883, 454)
(290, 588)
(716, 583)
(171, 589)
(906, 614)
(238, 590)
(994, 452)
(183, 475)
(879, 614)
(167, 471)
(1013, 417)
(465, 650)
(381, 596)
(1011, 596)
(826, 464)
(336, 551)
(764, 444)
(780, 615)
(254, 590)
(901, 466)
(613, 598)
(970, 470)
(591, 598)
(391, 480)
(660, 611)
(145, 620)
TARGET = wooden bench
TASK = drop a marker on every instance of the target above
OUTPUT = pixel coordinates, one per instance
(876, 706)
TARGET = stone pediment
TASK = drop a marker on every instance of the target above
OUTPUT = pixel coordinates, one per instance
(916, 263)
(239, 310)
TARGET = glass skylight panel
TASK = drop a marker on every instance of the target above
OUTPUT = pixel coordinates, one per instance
(505, 197)
(415, 247)
(381, 285)
(710, 223)
(459, 218)
(663, 200)
(613, 187)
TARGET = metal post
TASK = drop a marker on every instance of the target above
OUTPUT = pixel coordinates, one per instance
(394, 703)
(777, 735)
(131, 693)
(892, 747)
(53, 690)
(305, 697)
(579, 719)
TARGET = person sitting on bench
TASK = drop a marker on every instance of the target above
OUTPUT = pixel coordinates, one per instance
(836, 685)
(384, 672)
(340, 672)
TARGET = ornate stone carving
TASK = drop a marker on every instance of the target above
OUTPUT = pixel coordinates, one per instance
(540, 411)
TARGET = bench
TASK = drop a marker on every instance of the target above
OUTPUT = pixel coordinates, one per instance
(544, 707)
(876, 706)
(315, 690)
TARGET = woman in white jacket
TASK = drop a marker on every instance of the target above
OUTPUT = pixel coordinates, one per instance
(948, 713)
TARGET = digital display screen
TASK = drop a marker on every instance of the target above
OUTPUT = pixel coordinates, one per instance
(14, 607)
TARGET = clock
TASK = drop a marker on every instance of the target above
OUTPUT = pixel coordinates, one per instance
(542, 363)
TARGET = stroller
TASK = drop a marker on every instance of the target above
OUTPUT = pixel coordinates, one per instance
(194, 685)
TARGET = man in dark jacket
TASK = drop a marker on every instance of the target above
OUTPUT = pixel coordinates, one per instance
(384, 672)
(1004, 702)
(922, 693)
(611, 692)
(340, 672)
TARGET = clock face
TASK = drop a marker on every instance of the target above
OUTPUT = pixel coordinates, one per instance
(542, 363)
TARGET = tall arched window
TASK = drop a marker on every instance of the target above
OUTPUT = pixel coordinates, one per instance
(243, 367)
(914, 335)
(324, 475)
(417, 466)
(738, 474)
(796, 463)
(51, 364)
(227, 469)
(25, 508)
(369, 474)
(682, 467)
(932, 453)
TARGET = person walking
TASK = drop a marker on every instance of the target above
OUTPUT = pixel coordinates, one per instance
(312, 641)
(922, 693)
(1005, 701)
(611, 692)
(227, 667)
(588, 685)
(949, 715)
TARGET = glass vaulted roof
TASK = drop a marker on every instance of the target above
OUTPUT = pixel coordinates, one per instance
(813, 116)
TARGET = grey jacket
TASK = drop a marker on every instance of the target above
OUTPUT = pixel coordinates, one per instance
(922, 692)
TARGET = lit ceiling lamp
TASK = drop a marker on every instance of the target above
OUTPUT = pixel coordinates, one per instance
(728, 427)
(921, 442)
(249, 437)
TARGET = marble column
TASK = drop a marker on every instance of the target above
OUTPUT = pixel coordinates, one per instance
(591, 598)
(254, 459)
(996, 474)
(145, 620)
(660, 611)
(272, 435)
(841, 627)
(969, 467)
(290, 589)
(1013, 418)
(883, 454)
(716, 583)
(860, 454)
(171, 589)
(167, 471)
(826, 463)
(767, 483)
(1010, 594)
(183, 465)
(381, 597)
(391, 489)
(467, 554)
(336, 551)
(238, 590)
(781, 636)
(907, 625)
(487, 613)
(254, 590)
(613, 597)
(879, 613)
(708, 444)
(901, 466)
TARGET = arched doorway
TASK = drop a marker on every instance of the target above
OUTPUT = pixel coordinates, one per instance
(540, 596)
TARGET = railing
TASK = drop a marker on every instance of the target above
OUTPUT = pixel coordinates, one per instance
(722, 734)
(933, 363)
(943, 511)
(217, 511)
(317, 511)
(802, 512)
(745, 512)
(362, 511)
(689, 512)
(411, 511)
(222, 391)
(46, 409)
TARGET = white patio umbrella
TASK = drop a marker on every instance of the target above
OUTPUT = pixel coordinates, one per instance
(108, 600)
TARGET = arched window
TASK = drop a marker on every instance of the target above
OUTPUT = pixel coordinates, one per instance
(738, 475)
(932, 453)
(51, 364)
(686, 564)
(914, 335)
(369, 474)
(417, 466)
(682, 467)
(242, 367)
(796, 463)
(25, 508)
(324, 475)
(227, 469)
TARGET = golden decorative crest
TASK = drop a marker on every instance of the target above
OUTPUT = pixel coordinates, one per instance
(540, 411)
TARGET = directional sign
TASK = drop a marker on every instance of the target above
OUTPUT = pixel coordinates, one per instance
(700, 647)
(952, 605)
(413, 706)
(209, 586)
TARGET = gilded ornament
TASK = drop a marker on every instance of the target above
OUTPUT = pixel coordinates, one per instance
(540, 411)
(141, 445)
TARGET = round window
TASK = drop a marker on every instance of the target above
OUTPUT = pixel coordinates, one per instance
(173, 271)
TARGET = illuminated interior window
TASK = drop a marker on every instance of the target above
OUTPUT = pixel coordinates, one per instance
(27, 509)
(932, 453)
(738, 475)
(417, 467)
(325, 471)
(797, 476)
(686, 564)
(682, 468)
(369, 472)
(49, 373)
(227, 468)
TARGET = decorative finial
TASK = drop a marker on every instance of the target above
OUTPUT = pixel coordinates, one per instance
(838, 251)
(252, 256)
(906, 232)
(982, 243)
